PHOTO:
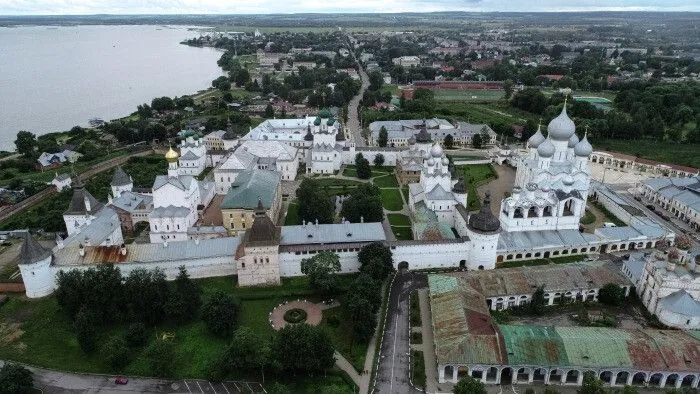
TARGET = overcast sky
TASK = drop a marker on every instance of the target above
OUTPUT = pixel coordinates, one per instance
(70, 7)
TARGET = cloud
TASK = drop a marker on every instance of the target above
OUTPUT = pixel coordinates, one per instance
(69, 7)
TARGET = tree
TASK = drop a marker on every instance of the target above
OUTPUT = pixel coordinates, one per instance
(185, 299)
(364, 203)
(15, 379)
(469, 385)
(136, 335)
(222, 83)
(376, 261)
(146, 294)
(321, 270)
(144, 110)
(476, 141)
(160, 355)
(314, 202)
(507, 89)
(379, 160)
(628, 390)
(116, 352)
(247, 351)
(84, 326)
(220, 313)
(300, 347)
(449, 141)
(26, 143)
(364, 171)
(382, 137)
(538, 302)
(376, 80)
(591, 384)
(611, 294)
(269, 111)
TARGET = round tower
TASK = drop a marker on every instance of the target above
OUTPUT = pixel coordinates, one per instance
(35, 267)
(483, 230)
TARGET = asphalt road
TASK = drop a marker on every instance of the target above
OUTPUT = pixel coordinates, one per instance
(354, 125)
(393, 372)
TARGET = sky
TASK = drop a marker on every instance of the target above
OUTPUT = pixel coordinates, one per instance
(86, 7)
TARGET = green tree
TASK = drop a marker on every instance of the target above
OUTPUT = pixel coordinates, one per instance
(314, 202)
(376, 261)
(220, 313)
(507, 89)
(144, 110)
(321, 270)
(628, 390)
(136, 335)
(379, 160)
(247, 351)
(538, 302)
(376, 80)
(15, 379)
(363, 203)
(116, 352)
(303, 348)
(364, 171)
(611, 294)
(476, 141)
(84, 326)
(185, 299)
(146, 294)
(382, 137)
(469, 385)
(222, 83)
(269, 111)
(26, 143)
(591, 385)
(449, 141)
(160, 355)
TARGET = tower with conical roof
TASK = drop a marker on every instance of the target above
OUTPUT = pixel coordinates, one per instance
(35, 267)
(121, 182)
(258, 254)
(483, 229)
(82, 209)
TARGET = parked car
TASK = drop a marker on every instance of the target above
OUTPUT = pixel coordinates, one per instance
(637, 198)
(651, 207)
(121, 380)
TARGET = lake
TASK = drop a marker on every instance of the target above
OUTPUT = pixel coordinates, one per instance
(53, 78)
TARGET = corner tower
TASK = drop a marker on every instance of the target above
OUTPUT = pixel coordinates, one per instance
(35, 267)
(258, 254)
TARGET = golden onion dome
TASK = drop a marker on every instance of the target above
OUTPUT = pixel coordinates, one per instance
(171, 155)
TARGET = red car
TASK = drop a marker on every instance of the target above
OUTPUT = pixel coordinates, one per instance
(121, 380)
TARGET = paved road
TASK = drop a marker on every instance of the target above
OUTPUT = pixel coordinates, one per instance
(353, 125)
(393, 373)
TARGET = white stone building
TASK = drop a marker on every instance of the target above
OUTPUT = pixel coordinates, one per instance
(193, 156)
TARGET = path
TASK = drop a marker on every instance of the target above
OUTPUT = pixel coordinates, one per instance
(354, 125)
(498, 187)
(393, 370)
(345, 365)
(431, 385)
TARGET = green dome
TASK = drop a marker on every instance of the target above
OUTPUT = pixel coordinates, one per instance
(317, 122)
(325, 113)
(330, 121)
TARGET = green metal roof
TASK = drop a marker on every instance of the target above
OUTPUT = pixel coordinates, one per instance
(251, 186)
(530, 344)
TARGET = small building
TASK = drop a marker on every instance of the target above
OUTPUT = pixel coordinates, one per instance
(54, 160)
(251, 188)
(61, 181)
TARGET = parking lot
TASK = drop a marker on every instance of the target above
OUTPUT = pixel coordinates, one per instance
(204, 386)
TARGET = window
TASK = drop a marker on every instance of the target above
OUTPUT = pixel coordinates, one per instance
(243, 224)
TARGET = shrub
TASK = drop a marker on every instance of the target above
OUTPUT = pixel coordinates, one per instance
(136, 335)
(116, 352)
(295, 315)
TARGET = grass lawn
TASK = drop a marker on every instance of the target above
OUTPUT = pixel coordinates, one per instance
(417, 368)
(37, 332)
(476, 175)
(386, 181)
(391, 199)
(292, 217)
(402, 233)
(685, 154)
(334, 182)
(469, 95)
(397, 219)
(350, 172)
(342, 337)
(414, 310)
(588, 218)
(404, 191)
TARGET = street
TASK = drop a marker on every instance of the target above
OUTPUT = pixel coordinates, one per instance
(393, 371)
(354, 125)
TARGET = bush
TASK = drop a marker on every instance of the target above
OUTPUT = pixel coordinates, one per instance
(15, 379)
(220, 313)
(160, 355)
(136, 335)
(116, 352)
(611, 294)
(295, 315)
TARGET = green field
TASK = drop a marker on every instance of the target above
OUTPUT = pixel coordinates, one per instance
(292, 217)
(391, 199)
(37, 332)
(468, 95)
(402, 233)
(397, 219)
(386, 181)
